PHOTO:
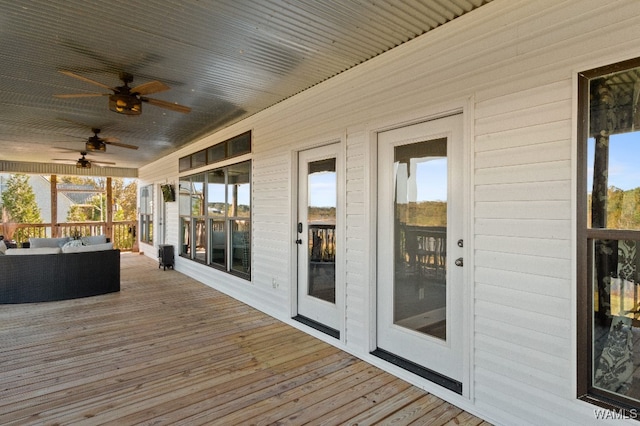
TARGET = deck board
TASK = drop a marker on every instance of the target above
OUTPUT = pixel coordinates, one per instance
(170, 350)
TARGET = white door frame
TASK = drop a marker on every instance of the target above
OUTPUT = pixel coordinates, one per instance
(340, 228)
(466, 107)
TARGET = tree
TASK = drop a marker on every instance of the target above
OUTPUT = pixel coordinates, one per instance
(87, 207)
(19, 204)
(125, 198)
(94, 208)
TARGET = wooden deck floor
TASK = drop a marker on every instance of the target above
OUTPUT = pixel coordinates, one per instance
(169, 350)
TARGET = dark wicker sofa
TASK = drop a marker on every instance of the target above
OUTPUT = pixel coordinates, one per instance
(49, 277)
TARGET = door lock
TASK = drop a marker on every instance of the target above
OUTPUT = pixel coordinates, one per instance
(459, 262)
(460, 243)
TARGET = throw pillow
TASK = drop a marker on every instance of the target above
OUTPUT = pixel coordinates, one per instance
(72, 243)
(94, 239)
(84, 249)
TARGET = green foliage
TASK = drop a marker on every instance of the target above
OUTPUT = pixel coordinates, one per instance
(426, 213)
(322, 214)
(124, 197)
(92, 211)
(124, 200)
(19, 203)
(19, 200)
(623, 208)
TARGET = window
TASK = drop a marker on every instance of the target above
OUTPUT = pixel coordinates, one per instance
(215, 218)
(234, 147)
(146, 214)
(609, 236)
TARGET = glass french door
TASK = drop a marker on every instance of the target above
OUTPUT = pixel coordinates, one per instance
(317, 229)
(420, 211)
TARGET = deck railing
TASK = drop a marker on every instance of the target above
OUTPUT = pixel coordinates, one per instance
(123, 233)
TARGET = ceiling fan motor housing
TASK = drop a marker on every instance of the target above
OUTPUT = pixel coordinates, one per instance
(83, 163)
(95, 144)
(125, 104)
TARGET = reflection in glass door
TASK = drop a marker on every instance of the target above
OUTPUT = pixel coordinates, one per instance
(420, 237)
(321, 227)
(318, 230)
(420, 233)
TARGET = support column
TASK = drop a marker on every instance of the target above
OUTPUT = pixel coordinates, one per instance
(109, 207)
(55, 229)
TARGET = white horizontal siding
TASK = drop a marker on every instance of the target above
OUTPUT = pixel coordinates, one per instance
(271, 228)
(523, 221)
(551, 229)
(499, 393)
(540, 284)
(537, 172)
(357, 245)
(559, 249)
(516, 60)
(523, 305)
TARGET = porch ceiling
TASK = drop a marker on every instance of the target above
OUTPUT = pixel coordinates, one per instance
(226, 59)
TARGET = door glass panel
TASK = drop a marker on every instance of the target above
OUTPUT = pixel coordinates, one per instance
(321, 225)
(420, 236)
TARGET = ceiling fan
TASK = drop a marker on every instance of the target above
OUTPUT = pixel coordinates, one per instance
(96, 143)
(83, 162)
(124, 99)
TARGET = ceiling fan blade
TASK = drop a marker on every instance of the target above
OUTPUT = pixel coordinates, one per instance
(85, 79)
(98, 163)
(65, 149)
(168, 105)
(110, 140)
(63, 161)
(149, 88)
(123, 145)
(80, 95)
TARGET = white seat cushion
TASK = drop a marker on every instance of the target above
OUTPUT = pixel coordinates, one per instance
(48, 242)
(30, 251)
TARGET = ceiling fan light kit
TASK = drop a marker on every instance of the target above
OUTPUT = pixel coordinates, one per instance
(83, 163)
(125, 104)
(95, 145)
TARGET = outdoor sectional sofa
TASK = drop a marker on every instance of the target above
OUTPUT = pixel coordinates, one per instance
(45, 272)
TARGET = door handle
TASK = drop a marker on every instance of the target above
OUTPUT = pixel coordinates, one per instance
(459, 262)
(298, 241)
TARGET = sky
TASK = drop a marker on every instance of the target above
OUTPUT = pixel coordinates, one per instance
(432, 180)
(624, 161)
(431, 177)
(322, 189)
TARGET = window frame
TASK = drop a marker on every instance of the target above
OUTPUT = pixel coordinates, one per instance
(585, 236)
(146, 214)
(228, 221)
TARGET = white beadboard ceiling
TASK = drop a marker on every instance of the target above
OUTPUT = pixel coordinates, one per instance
(226, 59)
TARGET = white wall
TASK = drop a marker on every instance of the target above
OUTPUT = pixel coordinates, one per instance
(512, 64)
